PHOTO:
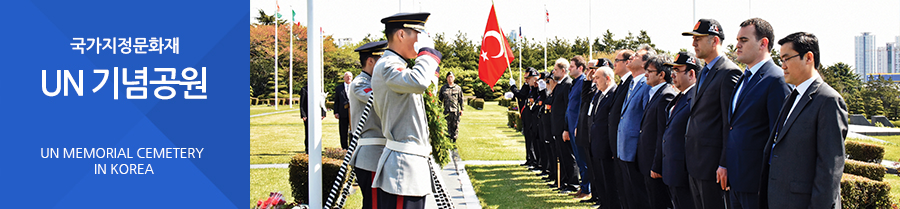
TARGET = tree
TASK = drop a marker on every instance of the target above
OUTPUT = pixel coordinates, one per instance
(264, 19)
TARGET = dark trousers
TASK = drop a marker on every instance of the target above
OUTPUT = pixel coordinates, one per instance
(344, 130)
(536, 148)
(581, 160)
(529, 135)
(388, 200)
(635, 192)
(743, 200)
(364, 179)
(546, 156)
(568, 170)
(604, 183)
(453, 125)
(658, 192)
(553, 160)
(306, 136)
(707, 193)
(681, 197)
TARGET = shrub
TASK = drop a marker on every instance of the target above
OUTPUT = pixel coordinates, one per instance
(329, 105)
(896, 123)
(511, 118)
(299, 176)
(504, 102)
(519, 124)
(513, 105)
(860, 192)
(865, 152)
(869, 170)
(478, 104)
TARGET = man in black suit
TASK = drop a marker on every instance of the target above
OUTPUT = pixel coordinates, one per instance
(674, 173)
(804, 157)
(568, 169)
(527, 92)
(754, 107)
(706, 130)
(548, 153)
(615, 113)
(653, 125)
(601, 102)
(342, 109)
(304, 112)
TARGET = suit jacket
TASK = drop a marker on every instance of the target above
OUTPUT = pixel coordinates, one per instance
(558, 106)
(583, 137)
(521, 95)
(807, 156)
(706, 130)
(630, 122)
(674, 171)
(304, 107)
(341, 101)
(750, 122)
(600, 141)
(653, 125)
(615, 114)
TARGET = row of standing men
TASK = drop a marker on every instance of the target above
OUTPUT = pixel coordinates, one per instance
(675, 133)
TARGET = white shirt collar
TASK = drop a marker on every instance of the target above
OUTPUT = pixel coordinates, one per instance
(758, 65)
(805, 85)
(688, 88)
(656, 88)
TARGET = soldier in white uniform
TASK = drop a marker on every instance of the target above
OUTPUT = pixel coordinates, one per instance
(403, 175)
(371, 140)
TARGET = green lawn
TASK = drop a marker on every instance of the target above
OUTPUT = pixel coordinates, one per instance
(512, 186)
(259, 109)
(483, 135)
(263, 181)
(276, 138)
(891, 150)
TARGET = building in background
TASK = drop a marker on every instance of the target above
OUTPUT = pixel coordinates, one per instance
(887, 58)
(865, 53)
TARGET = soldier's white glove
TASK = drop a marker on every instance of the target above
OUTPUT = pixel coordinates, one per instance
(512, 82)
(541, 85)
(424, 41)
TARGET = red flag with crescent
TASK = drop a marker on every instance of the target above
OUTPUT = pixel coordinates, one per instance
(495, 52)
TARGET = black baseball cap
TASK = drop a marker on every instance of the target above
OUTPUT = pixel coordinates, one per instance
(531, 72)
(415, 21)
(545, 75)
(603, 62)
(705, 27)
(685, 59)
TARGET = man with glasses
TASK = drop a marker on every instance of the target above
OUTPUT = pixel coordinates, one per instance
(615, 113)
(653, 124)
(804, 156)
(674, 173)
(629, 129)
(706, 130)
(752, 112)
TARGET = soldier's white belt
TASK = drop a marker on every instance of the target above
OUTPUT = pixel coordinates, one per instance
(409, 148)
(371, 141)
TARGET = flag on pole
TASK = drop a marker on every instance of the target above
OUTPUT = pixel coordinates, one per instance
(293, 16)
(520, 31)
(495, 52)
(277, 10)
(548, 14)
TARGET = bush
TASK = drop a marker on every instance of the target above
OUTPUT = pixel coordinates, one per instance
(864, 151)
(469, 100)
(869, 170)
(513, 105)
(519, 124)
(329, 105)
(504, 102)
(511, 117)
(299, 176)
(478, 104)
(860, 192)
(896, 123)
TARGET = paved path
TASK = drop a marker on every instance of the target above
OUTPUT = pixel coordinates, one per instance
(873, 131)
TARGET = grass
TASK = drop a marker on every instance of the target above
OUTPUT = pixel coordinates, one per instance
(894, 181)
(259, 109)
(512, 186)
(483, 135)
(263, 181)
(278, 137)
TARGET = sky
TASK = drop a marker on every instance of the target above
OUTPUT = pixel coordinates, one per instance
(835, 23)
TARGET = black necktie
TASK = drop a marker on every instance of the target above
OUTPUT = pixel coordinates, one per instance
(785, 110)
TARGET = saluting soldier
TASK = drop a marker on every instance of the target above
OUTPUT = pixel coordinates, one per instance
(452, 96)
(371, 139)
(403, 175)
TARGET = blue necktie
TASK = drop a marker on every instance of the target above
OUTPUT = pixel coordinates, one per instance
(703, 76)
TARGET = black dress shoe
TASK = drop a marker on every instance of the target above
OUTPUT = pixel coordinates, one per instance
(590, 200)
(568, 189)
(524, 164)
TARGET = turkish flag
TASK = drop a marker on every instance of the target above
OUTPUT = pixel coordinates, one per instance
(495, 52)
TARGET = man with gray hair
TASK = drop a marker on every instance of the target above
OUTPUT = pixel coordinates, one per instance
(559, 103)
(342, 109)
(629, 130)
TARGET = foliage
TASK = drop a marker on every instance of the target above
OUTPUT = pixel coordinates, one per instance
(865, 152)
(872, 171)
(299, 176)
(861, 192)
(437, 127)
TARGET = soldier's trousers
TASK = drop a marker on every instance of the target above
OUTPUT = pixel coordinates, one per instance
(453, 126)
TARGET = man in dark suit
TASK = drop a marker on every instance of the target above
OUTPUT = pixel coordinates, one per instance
(754, 107)
(629, 130)
(674, 173)
(549, 153)
(342, 109)
(804, 157)
(706, 130)
(304, 113)
(653, 125)
(604, 191)
(568, 169)
(615, 113)
(522, 96)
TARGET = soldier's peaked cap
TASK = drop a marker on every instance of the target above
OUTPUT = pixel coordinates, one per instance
(415, 21)
(372, 48)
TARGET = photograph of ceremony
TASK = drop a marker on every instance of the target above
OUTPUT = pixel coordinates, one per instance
(574, 104)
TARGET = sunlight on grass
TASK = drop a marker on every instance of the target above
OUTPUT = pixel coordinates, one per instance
(483, 135)
(276, 138)
(512, 186)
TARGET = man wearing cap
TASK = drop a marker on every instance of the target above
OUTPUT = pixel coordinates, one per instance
(542, 125)
(371, 139)
(753, 110)
(804, 157)
(601, 100)
(629, 129)
(525, 98)
(452, 96)
(623, 57)
(342, 108)
(706, 130)
(674, 173)
(403, 175)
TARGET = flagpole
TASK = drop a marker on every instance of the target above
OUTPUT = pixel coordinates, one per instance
(519, 42)
(291, 71)
(503, 45)
(590, 27)
(277, 9)
(313, 62)
(547, 19)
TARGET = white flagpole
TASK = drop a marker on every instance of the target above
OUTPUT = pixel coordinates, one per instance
(291, 69)
(314, 44)
(546, 19)
(590, 27)
(276, 56)
(519, 42)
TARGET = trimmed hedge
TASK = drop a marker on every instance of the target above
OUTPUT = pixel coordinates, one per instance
(519, 124)
(860, 192)
(869, 170)
(511, 118)
(513, 105)
(299, 176)
(864, 151)
(504, 102)
(478, 103)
